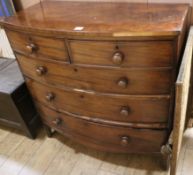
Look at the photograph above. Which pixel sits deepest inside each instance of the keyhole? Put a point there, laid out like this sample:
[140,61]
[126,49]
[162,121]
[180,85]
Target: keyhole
[82,96]
[116,47]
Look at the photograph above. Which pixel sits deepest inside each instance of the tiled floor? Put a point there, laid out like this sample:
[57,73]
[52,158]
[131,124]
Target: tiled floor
[60,156]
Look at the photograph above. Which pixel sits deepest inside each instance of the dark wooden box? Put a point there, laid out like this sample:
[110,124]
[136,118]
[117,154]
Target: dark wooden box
[16,107]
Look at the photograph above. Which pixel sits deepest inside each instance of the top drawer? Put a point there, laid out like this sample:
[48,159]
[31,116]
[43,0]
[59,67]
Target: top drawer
[38,46]
[124,54]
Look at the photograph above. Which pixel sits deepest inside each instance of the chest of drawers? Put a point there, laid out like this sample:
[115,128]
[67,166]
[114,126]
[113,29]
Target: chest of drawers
[102,78]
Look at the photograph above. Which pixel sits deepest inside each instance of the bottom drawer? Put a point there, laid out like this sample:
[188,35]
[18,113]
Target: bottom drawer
[104,137]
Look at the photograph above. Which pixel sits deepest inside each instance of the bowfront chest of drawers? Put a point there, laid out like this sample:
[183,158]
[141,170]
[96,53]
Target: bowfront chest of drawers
[102,74]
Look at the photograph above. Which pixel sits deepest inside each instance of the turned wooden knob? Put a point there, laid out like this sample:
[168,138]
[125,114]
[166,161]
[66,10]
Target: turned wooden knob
[50,96]
[41,70]
[31,47]
[57,121]
[118,58]
[123,82]
[124,141]
[125,111]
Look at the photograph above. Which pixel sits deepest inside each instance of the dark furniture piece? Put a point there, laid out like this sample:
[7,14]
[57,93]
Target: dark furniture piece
[104,74]
[16,107]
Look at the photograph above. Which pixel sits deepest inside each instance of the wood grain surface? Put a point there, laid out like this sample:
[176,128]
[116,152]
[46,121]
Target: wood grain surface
[97,19]
[111,139]
[182,97]
[138,109]
[134,53]
[101,79]
[38,46]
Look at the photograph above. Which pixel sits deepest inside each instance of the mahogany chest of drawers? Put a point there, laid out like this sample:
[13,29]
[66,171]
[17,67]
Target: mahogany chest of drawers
[102,74]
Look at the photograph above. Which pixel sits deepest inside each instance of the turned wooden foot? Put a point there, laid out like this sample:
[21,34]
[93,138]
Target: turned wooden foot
[165,162]
[48,131]
[166,152]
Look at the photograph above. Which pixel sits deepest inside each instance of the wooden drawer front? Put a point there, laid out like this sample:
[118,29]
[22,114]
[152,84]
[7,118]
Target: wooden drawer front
[36,46]
[125,54]
[109,138]
[115,108]
[125,81]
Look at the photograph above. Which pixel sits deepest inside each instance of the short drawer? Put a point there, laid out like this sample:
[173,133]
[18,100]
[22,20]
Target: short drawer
[104,137]
[36,46]
[124,54]
[118,80]
[120,108]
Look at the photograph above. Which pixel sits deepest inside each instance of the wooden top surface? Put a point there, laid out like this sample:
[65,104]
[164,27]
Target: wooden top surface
[101,18]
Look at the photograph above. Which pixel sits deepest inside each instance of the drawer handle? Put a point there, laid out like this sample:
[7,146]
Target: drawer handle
[50,96]
[118,58]
[57,121]
[125,111]
[41,70]
[123,82]
[125,141]
[32,47]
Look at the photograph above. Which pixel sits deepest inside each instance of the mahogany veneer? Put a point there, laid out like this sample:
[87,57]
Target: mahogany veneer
[106,80]
[100,73]
[117,139]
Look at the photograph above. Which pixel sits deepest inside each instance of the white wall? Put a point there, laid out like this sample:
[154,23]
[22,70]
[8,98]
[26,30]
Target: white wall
[5,48]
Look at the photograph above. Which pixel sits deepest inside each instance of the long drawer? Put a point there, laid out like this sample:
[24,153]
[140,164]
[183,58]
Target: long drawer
[121,108]
[36,46]
[117,80]
[104,137]
[124,54]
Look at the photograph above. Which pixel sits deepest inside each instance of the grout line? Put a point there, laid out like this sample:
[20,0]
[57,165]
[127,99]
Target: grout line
[31,157]
[46,169]
[14,148]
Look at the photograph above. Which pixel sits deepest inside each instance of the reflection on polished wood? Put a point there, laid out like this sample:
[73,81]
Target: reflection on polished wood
[100,18]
